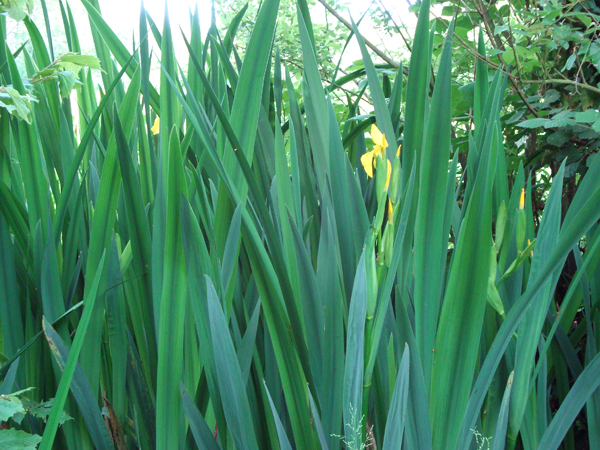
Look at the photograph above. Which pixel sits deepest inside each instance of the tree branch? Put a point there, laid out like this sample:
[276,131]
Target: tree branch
[369,44]
[589,87]
[496,66]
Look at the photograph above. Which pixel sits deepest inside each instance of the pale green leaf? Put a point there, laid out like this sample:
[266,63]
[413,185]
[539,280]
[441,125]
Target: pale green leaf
[16,104]
[18,440]
[16,9]
[9,406]
[42,411]
[74,63]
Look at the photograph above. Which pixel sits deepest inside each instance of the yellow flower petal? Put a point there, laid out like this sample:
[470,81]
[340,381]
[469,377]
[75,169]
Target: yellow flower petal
[378,137]
[399,149]
[389,173]
[522,199]
[367,161]
[156,127]
[390,211]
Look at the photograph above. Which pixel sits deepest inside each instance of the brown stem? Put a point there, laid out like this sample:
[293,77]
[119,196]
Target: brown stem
[572,83]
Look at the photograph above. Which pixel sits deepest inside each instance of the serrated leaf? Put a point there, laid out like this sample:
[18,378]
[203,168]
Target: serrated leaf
[558,122]
[75,63]
[16,104]
[534,123]
[18,440]
[448,11]
[66,82]
[551,96]
[559,138]
[9,406]
[42,411]
[591,115]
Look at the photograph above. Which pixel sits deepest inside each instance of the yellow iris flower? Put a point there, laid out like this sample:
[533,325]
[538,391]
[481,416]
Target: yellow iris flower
[522,199]
[389,173]
[156,127]
[369,159]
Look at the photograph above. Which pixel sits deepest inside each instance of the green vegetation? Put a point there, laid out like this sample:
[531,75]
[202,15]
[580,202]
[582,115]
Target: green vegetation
[218,261]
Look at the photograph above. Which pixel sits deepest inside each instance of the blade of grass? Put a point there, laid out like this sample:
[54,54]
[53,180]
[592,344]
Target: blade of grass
[284,442]
[69,370]
[354,364]
[535,318]
[430,241]
[119,50]
[67,190]
[583,216]
[169,417]
[246,103]
[416,93]
[394,428]
[10,308]
[232,388]
[382,112]
[80,388]
[583,388]
[202,434]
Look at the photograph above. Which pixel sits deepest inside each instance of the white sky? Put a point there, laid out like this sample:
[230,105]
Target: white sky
[123,18]
[179,11]
[126,22]
[127,19]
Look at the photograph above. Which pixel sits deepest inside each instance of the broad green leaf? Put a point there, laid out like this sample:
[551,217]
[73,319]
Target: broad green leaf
[42,411]
[9,407]
[534,123]
[18,440]
[16,104]
[74,63]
